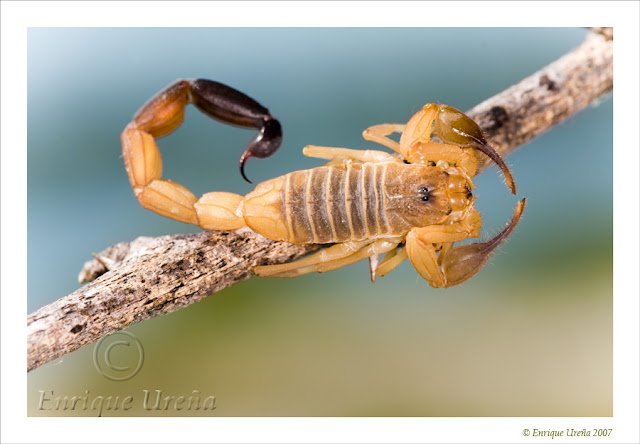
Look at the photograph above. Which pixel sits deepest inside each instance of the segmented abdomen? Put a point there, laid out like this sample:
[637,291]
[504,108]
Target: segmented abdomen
[336,203]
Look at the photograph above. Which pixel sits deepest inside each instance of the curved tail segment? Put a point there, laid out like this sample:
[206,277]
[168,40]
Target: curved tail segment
[162,115]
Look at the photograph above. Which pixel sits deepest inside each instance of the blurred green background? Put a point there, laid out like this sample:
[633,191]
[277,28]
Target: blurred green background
[530,335]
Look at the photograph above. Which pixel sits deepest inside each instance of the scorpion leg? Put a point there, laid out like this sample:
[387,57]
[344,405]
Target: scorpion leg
[455,265]
[391,260]
[325,152]
[163,114]
[375,248]
[379,133]
[332,253]
[374,261]
[340,257]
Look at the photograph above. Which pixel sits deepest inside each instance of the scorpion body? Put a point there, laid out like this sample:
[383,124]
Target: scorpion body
[414,204]
[355,201]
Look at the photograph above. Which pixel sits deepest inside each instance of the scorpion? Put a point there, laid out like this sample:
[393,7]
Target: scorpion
[415,203]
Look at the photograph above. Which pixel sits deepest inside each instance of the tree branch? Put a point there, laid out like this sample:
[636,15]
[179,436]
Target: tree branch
[518,114]
[152,276]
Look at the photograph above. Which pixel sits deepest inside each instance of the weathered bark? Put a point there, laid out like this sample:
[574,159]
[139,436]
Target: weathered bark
[518,114]
[149,277]
[152,276]
[606,32]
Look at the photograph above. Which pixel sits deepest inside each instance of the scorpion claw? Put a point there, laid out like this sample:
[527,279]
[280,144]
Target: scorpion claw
[453,126]
[484,147]
[463,262]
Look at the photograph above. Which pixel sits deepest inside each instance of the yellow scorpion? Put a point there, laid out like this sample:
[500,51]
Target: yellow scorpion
[413,204]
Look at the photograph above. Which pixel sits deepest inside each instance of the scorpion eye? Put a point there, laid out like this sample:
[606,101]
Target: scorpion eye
[424,193]
[469,193]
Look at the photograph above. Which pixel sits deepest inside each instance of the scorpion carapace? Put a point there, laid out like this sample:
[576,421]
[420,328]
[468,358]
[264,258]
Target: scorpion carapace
[413,204]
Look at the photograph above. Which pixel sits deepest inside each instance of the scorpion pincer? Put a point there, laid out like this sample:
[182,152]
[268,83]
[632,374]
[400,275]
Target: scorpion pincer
[413,204]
